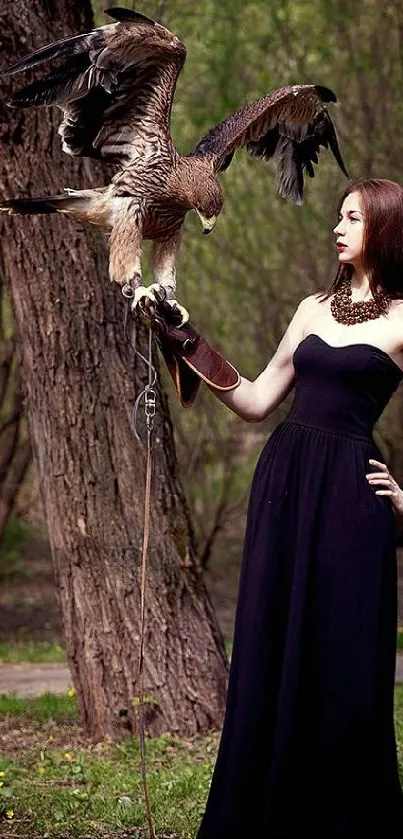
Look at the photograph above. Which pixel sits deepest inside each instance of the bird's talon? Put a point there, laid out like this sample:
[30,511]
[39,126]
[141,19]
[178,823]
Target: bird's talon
[180,310]
[160,293]
[146,299]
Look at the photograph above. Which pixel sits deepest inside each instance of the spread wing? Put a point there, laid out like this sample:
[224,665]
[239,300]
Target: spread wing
[289,124]
[115,86]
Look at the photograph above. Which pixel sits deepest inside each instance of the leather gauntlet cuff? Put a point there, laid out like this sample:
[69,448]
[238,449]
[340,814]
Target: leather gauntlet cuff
[190,359]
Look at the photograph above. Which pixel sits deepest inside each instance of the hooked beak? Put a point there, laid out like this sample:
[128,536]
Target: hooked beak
[208,223]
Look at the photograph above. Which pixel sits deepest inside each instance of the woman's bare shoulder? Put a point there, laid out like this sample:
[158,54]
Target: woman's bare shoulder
[312,302]
[396,318]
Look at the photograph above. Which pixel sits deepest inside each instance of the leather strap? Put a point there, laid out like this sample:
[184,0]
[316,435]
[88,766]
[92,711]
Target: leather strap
[146,533]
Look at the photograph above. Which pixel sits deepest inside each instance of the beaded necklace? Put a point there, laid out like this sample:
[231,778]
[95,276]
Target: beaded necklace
[345,311]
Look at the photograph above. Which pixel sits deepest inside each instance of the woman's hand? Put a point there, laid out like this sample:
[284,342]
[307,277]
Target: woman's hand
[391,488]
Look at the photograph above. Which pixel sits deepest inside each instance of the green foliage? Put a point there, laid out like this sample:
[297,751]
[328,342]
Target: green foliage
[6,315]
[17,652]
[15,537]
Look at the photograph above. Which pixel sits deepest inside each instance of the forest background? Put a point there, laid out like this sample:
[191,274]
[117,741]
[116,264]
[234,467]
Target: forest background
[241,285]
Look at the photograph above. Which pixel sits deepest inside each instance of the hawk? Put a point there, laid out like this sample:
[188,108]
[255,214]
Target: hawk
[115,86]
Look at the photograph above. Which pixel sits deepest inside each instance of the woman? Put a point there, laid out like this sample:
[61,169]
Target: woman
[308,743]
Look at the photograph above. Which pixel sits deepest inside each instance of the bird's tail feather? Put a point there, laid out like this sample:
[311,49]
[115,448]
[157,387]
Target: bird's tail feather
[68,202]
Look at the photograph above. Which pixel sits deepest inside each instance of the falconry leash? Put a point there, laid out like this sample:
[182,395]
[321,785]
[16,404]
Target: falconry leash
[149,395]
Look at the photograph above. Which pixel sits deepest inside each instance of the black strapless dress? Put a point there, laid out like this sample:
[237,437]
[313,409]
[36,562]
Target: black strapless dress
[308,747]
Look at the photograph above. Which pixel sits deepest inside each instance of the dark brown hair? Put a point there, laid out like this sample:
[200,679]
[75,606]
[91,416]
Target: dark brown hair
[382,256]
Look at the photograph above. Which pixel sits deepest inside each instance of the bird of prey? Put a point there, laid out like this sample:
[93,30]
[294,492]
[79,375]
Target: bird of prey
[115,86]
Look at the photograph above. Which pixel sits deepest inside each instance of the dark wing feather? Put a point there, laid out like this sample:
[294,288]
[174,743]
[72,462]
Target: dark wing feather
[296,148]
[59,49]
[115,86]
[128,15]
[289,125]
[57,86]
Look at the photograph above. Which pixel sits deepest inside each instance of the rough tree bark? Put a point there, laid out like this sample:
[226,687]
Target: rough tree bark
[80,383]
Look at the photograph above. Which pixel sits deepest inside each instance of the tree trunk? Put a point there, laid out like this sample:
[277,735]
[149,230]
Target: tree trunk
[80,383]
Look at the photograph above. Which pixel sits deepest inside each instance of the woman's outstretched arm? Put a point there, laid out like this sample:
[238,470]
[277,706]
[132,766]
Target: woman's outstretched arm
[255,400]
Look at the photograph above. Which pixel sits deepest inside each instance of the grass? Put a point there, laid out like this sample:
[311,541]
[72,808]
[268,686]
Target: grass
[18,652]
[25,652]
[228,646]
[48,706]
[54,783]
[399,722]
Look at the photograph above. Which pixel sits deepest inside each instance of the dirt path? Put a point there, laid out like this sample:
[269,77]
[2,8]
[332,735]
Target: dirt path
[32,679]
[28,680]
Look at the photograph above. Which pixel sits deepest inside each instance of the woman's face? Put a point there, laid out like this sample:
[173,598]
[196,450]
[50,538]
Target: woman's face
[350,230]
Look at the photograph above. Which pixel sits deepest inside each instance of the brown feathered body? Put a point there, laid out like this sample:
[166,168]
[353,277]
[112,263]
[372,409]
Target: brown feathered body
[115,86]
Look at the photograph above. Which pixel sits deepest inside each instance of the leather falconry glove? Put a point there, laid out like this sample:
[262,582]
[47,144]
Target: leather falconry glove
[189,357]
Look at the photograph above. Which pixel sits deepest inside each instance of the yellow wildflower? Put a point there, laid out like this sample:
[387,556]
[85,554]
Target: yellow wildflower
[10,814]
[1,783]
[2,774]
[67,756]
[71,692]
[41,769]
